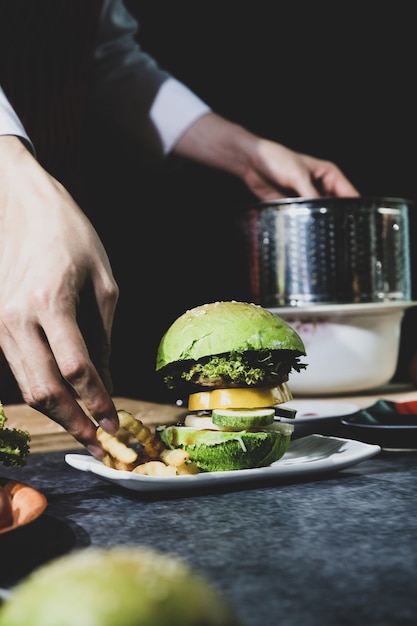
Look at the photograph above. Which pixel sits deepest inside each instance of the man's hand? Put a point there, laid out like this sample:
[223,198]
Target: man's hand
[269,169]
[54,274]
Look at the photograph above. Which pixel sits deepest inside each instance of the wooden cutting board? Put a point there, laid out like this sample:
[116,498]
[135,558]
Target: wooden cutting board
[46,435]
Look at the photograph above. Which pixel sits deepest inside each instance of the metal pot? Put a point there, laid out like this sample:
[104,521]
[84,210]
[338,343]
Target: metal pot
[328,251]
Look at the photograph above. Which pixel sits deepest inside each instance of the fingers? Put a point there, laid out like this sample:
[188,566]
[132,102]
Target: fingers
[95,327]
[73,362]
[276,172]
[327,178]
[51,382]
[336,184]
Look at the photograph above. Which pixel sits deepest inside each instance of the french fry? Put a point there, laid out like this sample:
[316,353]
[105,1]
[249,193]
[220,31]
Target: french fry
[119,455]
[155,468]
[180,460]
[174,457]
[187,468]
[152,459]
[152,445]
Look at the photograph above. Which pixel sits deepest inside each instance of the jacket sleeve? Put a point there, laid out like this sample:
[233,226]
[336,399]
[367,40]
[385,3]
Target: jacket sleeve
[132,93]
[10,124]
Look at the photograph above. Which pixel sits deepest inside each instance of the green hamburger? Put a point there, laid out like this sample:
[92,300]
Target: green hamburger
[232,360]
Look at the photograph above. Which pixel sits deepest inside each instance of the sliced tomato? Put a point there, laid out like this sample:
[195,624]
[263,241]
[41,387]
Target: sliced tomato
[239,398]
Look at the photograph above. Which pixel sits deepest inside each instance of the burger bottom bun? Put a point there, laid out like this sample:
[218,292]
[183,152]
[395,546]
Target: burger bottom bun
[217,450]
[124,585]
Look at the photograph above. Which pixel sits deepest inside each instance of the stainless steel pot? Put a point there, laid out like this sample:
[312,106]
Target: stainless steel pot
[328,250]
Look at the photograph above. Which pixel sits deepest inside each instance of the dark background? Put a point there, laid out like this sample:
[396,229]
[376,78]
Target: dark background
[335,85]
[339,86]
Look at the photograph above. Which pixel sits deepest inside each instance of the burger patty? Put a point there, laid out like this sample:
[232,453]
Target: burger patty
[252,368]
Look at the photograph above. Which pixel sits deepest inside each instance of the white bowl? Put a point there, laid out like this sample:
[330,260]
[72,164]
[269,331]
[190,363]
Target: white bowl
[350,347]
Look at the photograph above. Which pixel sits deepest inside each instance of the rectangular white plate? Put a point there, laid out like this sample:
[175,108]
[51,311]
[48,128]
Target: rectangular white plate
[314,454]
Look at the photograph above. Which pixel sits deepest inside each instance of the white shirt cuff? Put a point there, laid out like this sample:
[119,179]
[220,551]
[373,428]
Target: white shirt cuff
[10,124]
[174,110]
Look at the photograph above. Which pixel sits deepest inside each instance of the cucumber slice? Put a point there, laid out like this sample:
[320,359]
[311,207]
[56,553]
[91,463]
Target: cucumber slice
[200,421]
[235,419]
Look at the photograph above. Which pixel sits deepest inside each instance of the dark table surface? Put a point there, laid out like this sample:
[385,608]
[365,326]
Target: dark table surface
[339,548]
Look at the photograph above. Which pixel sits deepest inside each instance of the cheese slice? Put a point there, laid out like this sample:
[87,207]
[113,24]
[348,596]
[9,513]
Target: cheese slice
[239,398]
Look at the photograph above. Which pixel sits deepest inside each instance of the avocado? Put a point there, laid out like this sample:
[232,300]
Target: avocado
[123,585]
[218,450]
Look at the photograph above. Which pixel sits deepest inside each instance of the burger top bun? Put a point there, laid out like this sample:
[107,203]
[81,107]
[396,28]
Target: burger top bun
[123,585]
[226,326]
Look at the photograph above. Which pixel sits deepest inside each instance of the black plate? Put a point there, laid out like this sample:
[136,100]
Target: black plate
[30,546]
[382,425]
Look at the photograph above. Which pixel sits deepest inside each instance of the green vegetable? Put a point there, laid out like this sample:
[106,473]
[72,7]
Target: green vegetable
[14,443]
[219,450]
[235,419]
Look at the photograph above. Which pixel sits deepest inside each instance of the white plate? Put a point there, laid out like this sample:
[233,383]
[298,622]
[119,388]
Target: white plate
[370,308]
[314,454]
[308,410]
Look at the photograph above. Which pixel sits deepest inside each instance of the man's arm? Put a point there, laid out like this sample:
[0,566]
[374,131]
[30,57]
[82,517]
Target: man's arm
[130,91]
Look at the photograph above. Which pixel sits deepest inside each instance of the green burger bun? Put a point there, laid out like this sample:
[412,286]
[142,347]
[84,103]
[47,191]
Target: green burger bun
[123,586]
[227,343]
[225,326]
[220,450]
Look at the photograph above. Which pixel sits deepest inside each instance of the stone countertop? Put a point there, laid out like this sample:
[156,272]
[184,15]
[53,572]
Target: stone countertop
[334,549]
[338,548]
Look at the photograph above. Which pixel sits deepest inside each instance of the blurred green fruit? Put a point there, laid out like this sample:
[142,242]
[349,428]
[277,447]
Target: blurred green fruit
[123,585]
